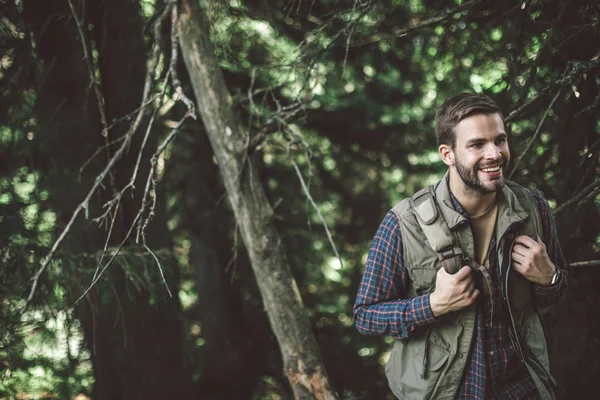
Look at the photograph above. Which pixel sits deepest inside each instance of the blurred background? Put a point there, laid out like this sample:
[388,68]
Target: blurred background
[339,97]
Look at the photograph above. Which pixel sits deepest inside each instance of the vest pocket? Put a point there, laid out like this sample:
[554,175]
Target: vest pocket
[532,335]
[417,364]
[436,357]
[520,291]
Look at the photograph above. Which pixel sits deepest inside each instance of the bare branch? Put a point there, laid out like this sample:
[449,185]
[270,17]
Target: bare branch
[94,84]
[83,205]
[315,206]
[173,66]
[417,23]
[151,182]
[541,53]
[129,251]
[574,71]
[590,263]
[88,63]
[112,258]
[589,192]
[352,28]
[589,108]
[515,113]
[98,151]
[131,114]
[162,275]
[534,137]
[110,164]
[110,230]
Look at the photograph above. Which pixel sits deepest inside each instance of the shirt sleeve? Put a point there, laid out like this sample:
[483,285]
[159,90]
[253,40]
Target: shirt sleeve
[548,295]
[381,306]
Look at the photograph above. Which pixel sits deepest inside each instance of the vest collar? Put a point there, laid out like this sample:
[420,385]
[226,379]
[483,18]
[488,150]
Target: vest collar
[442,194]
[510,210]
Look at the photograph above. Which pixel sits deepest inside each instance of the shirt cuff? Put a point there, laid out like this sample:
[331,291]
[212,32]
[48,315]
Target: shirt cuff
[422,314]
[545,295]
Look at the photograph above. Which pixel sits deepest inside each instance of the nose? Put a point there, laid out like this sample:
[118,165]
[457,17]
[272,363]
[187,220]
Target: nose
[492,152]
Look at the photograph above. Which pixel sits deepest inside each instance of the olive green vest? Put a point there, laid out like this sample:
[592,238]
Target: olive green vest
[431,363]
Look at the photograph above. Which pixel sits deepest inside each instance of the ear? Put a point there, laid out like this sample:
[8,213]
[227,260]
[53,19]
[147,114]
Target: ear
[447,154]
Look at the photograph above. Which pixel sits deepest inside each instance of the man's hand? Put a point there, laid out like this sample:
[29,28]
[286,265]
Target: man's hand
[531,260]
[452,292]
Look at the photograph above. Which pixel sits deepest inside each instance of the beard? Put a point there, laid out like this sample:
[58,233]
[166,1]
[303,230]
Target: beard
[476,186]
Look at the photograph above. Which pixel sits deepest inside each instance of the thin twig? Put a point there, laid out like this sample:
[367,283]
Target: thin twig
[162,275]
[128,116]
[589,108]
[98,151]
[415,24]
[88,63]
[309,197]
[541,53]
[590,191]
[352,28]
[108,236]
[83,205]
[112,258]
[590,263]
[95,85]
[535,135]
[131,184]
[100,178]
[150,181]
[574,71]
[515,113]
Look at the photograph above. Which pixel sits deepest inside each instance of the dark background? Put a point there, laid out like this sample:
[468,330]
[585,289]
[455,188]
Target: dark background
[356,86]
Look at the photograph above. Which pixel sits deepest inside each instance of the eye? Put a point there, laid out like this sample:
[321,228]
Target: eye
[477,145]
[501,140]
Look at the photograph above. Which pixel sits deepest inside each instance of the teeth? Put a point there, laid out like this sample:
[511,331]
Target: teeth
[493,169]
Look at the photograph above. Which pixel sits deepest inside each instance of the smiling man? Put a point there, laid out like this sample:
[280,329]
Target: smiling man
[458,273]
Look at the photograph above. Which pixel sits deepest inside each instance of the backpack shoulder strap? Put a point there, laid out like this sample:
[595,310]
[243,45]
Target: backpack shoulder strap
[526,199]
[436,229]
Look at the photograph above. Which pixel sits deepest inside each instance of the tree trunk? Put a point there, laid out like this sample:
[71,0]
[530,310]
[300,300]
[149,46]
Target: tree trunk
[233,326]
[302,361]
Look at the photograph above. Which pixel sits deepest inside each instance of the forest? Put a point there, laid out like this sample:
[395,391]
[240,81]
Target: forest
[189,188]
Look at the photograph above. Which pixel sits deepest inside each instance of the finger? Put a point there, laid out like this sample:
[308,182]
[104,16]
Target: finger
[521,268]
[442,272]
[463,273]
[539,240]
[519,258]
[525,241]
[474,296]
[470,287]
[520,249]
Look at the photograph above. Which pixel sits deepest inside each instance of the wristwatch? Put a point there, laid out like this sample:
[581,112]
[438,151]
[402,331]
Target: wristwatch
[555,277]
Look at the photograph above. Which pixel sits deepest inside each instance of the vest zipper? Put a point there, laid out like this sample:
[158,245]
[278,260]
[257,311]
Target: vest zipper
[515,335]
[424,369]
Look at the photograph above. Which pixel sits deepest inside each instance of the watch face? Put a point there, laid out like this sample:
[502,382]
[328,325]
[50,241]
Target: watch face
[555,277]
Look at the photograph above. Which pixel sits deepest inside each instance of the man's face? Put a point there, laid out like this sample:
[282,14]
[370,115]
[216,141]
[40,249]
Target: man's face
[481,153]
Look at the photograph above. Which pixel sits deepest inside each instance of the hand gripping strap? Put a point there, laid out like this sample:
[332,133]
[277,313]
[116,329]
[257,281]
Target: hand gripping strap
[436,230]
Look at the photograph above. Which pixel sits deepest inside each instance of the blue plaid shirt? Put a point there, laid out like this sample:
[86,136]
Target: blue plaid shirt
[382,308]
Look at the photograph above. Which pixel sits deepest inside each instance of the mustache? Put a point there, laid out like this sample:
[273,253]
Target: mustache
[490,165]
[500,163]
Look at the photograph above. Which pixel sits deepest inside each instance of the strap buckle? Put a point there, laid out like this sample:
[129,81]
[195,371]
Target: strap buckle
[450,252]
[451,259]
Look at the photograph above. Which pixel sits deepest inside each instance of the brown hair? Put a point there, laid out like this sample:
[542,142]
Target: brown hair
[458,108]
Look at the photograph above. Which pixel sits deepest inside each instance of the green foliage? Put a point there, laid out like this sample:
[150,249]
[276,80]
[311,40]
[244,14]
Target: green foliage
[339,93]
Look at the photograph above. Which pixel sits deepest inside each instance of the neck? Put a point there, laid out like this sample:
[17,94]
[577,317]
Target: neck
[473,203]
